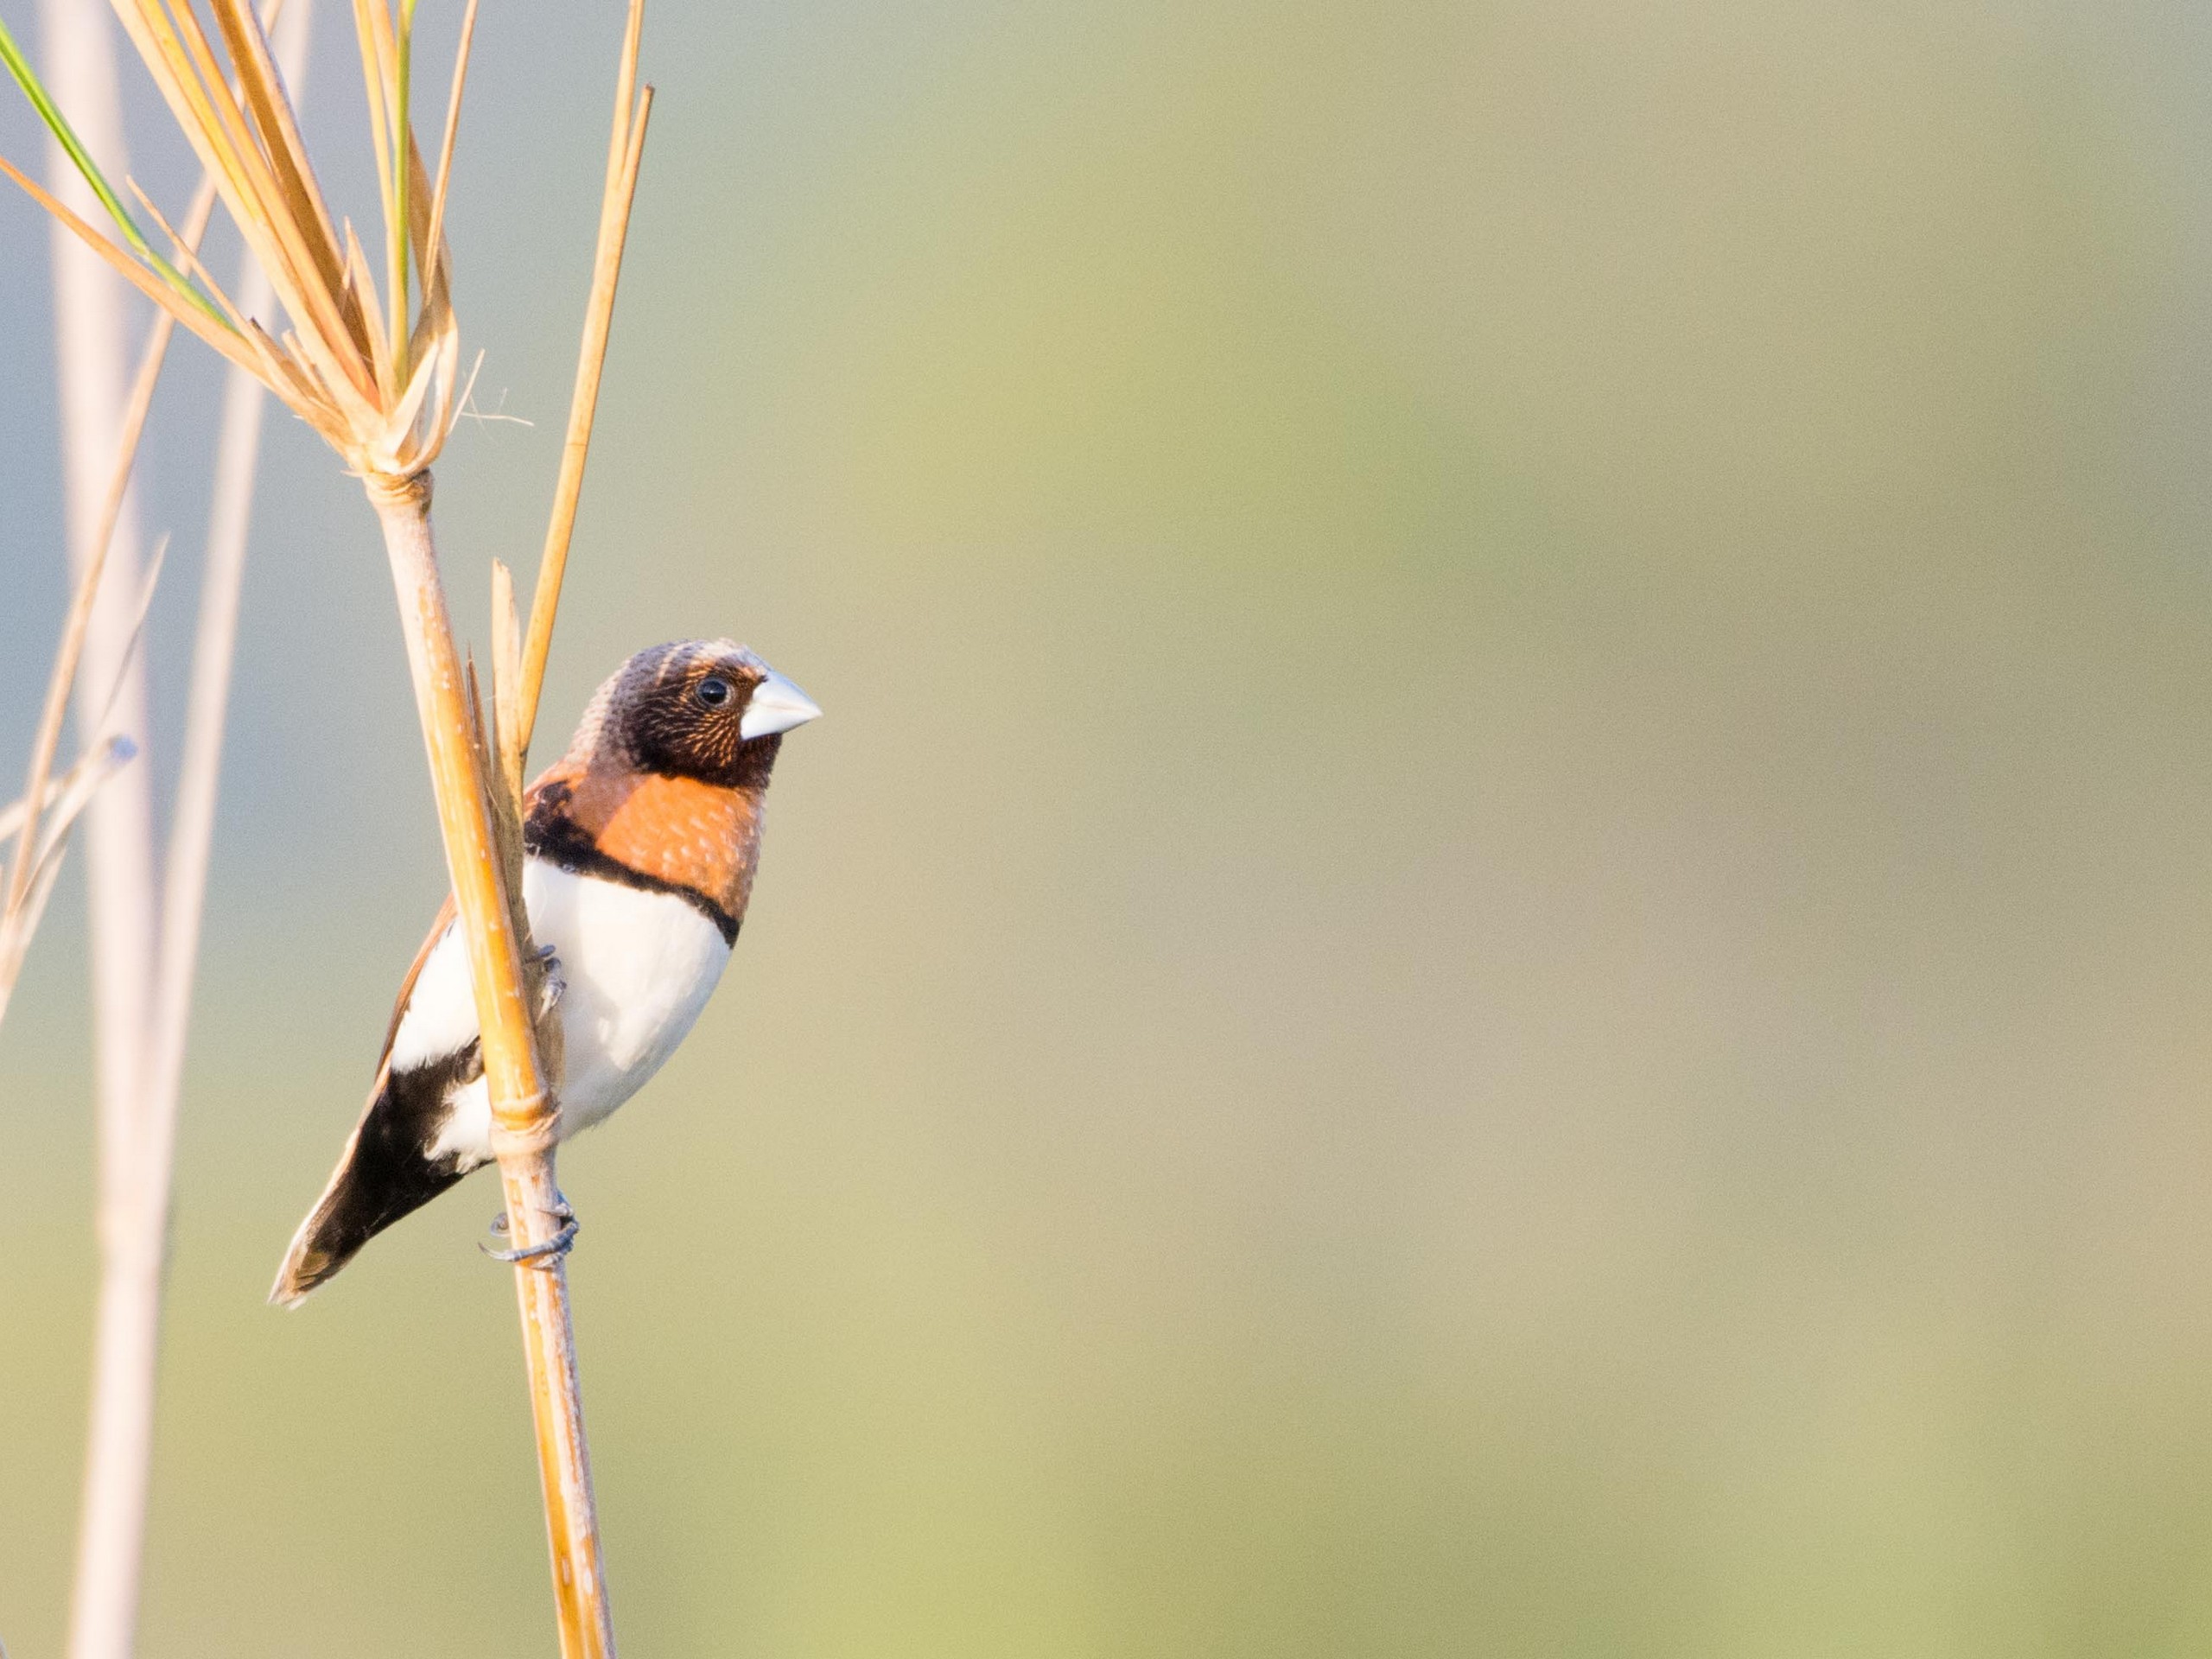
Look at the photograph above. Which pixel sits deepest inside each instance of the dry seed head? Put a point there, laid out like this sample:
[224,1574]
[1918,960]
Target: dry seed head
[376,375]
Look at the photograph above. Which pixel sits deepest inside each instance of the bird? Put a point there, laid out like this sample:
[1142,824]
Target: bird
[640,849]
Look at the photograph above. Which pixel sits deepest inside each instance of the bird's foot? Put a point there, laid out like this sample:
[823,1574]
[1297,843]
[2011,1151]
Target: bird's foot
[554,984]
[552,1249]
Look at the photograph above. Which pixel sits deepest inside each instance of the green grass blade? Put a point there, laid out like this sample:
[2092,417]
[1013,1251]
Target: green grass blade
[66,136]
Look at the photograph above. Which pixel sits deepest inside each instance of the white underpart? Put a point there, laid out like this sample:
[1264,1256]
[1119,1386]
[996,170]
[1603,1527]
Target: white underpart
[639,967]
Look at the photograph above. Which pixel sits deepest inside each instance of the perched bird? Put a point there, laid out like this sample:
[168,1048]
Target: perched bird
[640,845]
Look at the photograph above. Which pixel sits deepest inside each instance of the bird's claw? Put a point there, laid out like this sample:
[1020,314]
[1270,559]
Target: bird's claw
[551,1251]
[554,985]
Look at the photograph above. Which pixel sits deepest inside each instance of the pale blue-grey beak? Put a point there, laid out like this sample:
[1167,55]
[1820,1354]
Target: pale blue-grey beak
[777,706]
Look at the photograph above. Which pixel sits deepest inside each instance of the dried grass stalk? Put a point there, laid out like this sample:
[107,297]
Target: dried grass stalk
[66,798]
[142,961]
[238,450]
[625,150]
[375,375]
[102,425]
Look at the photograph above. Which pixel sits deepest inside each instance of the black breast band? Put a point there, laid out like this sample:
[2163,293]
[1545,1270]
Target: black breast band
[562,842]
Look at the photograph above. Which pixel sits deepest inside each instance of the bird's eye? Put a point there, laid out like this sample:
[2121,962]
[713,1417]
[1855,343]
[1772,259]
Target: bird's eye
[713,691]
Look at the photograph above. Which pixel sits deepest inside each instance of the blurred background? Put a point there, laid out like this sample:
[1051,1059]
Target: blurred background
[1499,942]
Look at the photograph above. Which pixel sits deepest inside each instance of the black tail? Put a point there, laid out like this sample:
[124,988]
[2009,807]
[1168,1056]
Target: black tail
[385,1174]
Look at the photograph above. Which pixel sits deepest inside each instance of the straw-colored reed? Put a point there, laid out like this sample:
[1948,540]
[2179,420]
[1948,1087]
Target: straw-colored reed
[374,369]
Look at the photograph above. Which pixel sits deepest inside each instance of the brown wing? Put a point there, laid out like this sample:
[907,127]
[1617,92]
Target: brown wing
[446,913]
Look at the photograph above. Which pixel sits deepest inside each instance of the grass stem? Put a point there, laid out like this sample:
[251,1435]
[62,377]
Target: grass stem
[626,151]
[524,1112]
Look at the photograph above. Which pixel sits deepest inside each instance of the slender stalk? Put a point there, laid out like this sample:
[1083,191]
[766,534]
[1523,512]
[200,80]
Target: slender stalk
[14,936]
[436,236]
[382,399]
[137,1119]
[518,668]
[77,628]
[66,796]
[524,1116]
[71,146]
[238,450]
[397,238]
[56,811]
[90,329]
[625,150]
[184,882]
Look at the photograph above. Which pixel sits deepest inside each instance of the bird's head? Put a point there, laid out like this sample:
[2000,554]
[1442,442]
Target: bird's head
[703,709]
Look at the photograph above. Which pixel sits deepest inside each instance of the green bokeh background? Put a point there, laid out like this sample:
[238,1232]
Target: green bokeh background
[1499,943]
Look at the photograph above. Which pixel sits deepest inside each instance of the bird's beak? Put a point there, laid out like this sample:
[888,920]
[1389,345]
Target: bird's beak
[777,706]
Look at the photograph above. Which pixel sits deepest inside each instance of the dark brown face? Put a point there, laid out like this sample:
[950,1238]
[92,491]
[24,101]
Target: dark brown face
[709,710]
[688,718]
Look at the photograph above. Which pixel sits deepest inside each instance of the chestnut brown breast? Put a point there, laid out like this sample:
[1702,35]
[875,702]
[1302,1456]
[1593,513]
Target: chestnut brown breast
[676,832]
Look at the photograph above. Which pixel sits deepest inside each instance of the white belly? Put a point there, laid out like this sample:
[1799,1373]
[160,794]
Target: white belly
[639,967]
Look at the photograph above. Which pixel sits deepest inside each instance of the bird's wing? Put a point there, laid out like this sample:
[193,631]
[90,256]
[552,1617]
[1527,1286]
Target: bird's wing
[556,773]
[446,913]
[392,1165]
